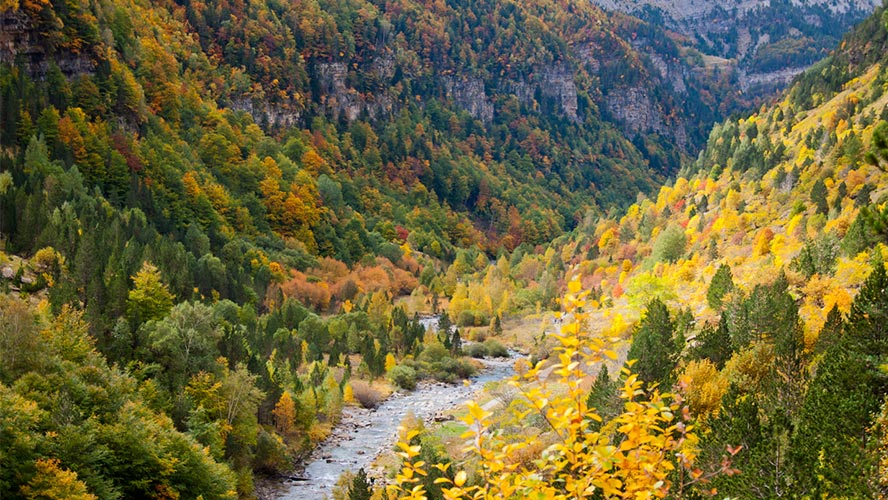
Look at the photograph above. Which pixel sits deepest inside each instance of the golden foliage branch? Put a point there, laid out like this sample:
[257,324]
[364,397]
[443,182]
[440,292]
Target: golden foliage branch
[636,455]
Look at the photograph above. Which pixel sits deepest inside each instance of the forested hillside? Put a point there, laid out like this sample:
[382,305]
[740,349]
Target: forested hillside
[496,110]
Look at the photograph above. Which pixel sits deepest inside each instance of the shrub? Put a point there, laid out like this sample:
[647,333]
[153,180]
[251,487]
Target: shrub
[495,349]
[471,317]
[403,377]
[434,352]
[476,350]
[465,318]
[271,453]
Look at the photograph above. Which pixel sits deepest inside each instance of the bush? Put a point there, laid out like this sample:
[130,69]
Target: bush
[271,453]
[476,350]
[365,395]
[458,368]
[465,318]
[434,352]
[403,377]
[471,318]
[495,349]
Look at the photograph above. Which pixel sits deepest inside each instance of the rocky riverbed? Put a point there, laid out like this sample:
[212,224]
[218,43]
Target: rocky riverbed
[363,434]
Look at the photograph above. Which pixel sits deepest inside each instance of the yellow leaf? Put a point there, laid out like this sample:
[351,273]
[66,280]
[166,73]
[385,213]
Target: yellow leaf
[460,478]
[574,286]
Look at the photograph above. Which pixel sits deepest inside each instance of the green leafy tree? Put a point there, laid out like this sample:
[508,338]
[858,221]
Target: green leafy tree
[670,244]
[19,338]
[185,342]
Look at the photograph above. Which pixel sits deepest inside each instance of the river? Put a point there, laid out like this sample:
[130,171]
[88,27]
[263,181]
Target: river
[363,434]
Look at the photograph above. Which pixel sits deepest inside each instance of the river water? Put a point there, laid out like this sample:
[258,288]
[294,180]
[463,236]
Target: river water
[363,434]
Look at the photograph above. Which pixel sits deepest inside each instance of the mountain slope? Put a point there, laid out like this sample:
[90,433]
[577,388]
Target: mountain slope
[769,251]
[765,43]
[494,96]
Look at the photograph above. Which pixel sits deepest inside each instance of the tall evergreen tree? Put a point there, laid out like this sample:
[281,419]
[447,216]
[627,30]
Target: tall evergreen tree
[604,398]
[653,346]
[831,451]
[714,343]
[361,487]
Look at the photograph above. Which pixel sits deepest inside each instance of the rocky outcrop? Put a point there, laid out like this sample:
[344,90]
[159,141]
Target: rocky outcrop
[557,82]
[635,109]
[766,43]
[688,11]
[340,99]
[469,94]
[267,114]
[20,44]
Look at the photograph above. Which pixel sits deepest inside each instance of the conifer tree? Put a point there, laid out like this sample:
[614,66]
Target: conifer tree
[653,345]
[604,397]
[361,487]
[714,343]
[722,283]
[456,342]
[878,154]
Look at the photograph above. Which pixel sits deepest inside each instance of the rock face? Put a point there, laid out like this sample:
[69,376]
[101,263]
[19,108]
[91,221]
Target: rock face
[469,94]
[693,11]
[634,108]
[340,99]
[557,82]
[20,45]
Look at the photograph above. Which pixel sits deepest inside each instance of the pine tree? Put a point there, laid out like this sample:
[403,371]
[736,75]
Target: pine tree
[818,197]
[714,344]
[830,447]
[653,346]
[878,154]
[604,397]
[444,324]
[361,487]
[722,283]
[868,320]
[456,342]
[831,332]
[497,326]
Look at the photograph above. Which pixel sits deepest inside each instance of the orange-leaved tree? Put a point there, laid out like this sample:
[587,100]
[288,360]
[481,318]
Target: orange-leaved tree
[646,451]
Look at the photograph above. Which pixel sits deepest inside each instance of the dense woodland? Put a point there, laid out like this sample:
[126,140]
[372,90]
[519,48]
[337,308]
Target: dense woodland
[191,295]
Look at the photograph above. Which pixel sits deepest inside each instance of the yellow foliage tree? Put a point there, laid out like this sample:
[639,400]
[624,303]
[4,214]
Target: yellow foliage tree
[285,415]
[762,245]
[703,386]
[635,455]
[390,362]
[51,482]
